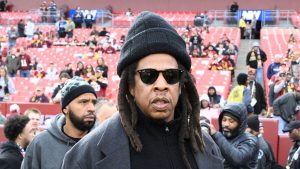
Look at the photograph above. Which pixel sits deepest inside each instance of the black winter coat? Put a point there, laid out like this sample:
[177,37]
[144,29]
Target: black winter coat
[10,156]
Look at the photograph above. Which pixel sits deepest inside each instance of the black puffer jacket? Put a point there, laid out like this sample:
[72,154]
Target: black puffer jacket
[241,151]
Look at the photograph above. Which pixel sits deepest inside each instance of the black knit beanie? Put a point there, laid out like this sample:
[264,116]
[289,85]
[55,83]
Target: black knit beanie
[74,88]
[151,34]
[253,123]
[242,78]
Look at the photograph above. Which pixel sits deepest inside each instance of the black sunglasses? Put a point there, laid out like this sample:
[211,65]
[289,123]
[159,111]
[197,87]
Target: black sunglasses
[149,76]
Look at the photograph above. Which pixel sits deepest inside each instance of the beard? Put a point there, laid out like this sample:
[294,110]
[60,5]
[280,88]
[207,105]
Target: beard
[79,122]
[230,133]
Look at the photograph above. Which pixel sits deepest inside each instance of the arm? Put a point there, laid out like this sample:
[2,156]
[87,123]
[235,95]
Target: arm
[269,73]
[247,101]
[278,102]
[236,155]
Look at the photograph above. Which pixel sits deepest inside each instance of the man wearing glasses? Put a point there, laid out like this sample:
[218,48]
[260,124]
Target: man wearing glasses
[158,121]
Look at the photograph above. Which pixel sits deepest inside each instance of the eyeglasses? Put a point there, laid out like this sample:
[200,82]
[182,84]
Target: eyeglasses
[149,76]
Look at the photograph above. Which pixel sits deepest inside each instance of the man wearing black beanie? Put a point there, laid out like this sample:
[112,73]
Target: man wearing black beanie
[47,150]
[158,121]
[266,159]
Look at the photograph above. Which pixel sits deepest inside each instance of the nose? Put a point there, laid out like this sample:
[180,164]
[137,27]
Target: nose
[160,83]
[91,107]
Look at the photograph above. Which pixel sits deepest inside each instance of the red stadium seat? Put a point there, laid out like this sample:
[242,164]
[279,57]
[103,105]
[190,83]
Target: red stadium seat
[284,145]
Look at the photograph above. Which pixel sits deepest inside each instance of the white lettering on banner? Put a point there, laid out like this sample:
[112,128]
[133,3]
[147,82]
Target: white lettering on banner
[93,12]
[248,15]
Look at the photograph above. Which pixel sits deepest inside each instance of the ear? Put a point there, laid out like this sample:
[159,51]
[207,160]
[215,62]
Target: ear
[65,110]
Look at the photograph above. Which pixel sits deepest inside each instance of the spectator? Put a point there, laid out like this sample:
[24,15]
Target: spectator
[242,26]
[195,43]
[94,31]
[284,84]
[21,28]
[110,49]
[204,102]
[29,29]
[44,11]
[35,116]
[61,26]
[36,42]
[39,96]
[79,69]
[14,109]
[52,8]
[39,73]
[239,148]
[12,34]
[70,28]
[56,96]
[240,93]
[266,159]
[104,32]
[7,86]
[12,62]
[255,59]
[234,7]
[25,62]
[215,100]
[78,18]
[253,26]
[258,101]
[89,20]
[286,107]
[19,134]
[68,69]
[101,65]
[78,106]
[129,12]
[293,160]
[88,72]
[273,68]
[104,109]
[99,83]
[51,72]
[147,108]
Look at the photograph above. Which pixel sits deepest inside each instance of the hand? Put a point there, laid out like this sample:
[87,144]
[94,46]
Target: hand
[212,129]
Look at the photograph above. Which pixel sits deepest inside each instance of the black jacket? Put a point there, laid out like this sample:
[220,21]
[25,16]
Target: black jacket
[253,63]
[260,97]
[241,151]
[266,159]
[10,156]
[294,159]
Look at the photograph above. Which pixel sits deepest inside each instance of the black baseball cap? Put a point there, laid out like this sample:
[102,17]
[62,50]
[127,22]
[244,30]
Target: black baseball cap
[291,126]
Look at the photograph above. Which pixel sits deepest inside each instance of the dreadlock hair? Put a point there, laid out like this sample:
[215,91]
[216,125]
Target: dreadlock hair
[188,105]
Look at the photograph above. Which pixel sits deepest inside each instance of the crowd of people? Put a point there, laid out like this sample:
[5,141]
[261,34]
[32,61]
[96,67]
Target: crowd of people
[157,117]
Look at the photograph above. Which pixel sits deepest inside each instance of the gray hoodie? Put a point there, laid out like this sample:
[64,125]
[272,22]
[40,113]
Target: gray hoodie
[48,148]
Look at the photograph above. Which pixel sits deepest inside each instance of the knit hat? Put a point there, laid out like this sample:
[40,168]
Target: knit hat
[74,88]
[151,34]
[242,78]
[253,123]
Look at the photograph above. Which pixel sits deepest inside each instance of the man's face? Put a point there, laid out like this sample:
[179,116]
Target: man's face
[34,119]
[28,134]
[81,111]
[156,100]
[229,126]
[294,135]
[105,112]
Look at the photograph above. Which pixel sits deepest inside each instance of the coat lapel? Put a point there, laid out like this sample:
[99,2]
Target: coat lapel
[114,147]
